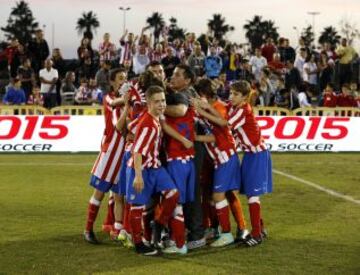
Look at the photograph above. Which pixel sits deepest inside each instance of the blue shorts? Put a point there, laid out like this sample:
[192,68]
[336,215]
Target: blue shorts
[101,185]
[183,174]
[227,176]
[256,173]
[155,180]
[121,184]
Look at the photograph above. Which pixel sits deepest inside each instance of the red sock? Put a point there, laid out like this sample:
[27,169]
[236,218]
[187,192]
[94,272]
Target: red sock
[214,222]
[126,217]
[135,222]
[110,219]
[177,227]
[148,216]
[168,205]
[236,209]
[222,211]
[93,209]
[254,209]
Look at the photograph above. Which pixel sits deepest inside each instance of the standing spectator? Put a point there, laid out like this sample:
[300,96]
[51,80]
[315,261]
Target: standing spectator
[85,50]
[213,64]
[127,47]
[292,76]
[268,50]
[14,94]
[258,63]
[39,51]
[87,69]
[310,72]
[302,46]
[48,78]
[27,77]
[346,55]
[276,65]
[36,98]
[140,60]
[107,49]
[102,77]
[329,51]
[19,56]
[59,65]
[158,53]
[326,70]
[197,60]
[289,52]
[9,53]
[170,61]
[244,71]
[300,61]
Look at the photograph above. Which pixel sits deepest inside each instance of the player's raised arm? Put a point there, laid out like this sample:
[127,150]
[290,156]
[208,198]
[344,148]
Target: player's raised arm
[176,135]
[209,112]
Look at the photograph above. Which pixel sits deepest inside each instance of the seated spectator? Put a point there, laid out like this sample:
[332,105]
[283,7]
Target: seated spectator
[329,96]
[304,96]
[83,95]
[222,86]
[36,98]
[266,89]
[102,77]
[96,94]
[243,71]
[15,95]
[27,77]
[292,76]
[276,65]
[345,98]
[282,98]
[68,89]
[213,64]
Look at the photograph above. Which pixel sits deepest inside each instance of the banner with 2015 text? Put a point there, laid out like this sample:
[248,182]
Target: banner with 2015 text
[84,133]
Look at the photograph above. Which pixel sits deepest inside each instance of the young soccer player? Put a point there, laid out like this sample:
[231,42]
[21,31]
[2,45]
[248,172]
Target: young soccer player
[256,173]
[145,174]
[106,168]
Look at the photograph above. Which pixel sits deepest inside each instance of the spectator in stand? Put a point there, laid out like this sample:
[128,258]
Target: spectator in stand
[222,86]
[140,60]
[170,61]
[39,51]
[281,95]
[266,89]
[244,71]
[158,53]
[300,61]
[127,47]
[276,66]
[68,89]
[36,98]
[329,96]
[304,96]
[9,53]
[213,64]
[268,50]
[59,65]
[346,55]
[326,70]
[289,52]
[48,78]
[345,98]
[196,60]
[354,89]
[292,76]
[102,77]
[258,63]
[83,96]
[85,50]
[310,72]
[302,46]
[27,77]
[19,56]
[107,49]
[96,94]
[15,94]
[329,51]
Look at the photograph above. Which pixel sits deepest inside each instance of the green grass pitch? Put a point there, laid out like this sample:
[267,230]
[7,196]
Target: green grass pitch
[43,201]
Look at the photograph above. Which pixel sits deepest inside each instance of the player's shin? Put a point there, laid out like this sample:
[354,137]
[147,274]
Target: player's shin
[255,216]
[177,226]
[222,211]
[136,212]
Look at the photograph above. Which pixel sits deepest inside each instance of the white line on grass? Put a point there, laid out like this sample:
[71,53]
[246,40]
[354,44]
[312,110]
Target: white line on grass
[318,187]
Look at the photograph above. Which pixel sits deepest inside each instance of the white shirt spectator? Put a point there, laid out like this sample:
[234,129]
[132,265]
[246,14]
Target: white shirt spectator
[299,64]
[303,101]
[257,64]
[140,61]
[49,76]
[312,77]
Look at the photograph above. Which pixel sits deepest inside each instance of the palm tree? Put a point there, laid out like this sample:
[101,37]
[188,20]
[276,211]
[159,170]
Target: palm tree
[87,23]
[156,22]
[308,35]
[175,31]
[218,27]
[257,30]
[329,35]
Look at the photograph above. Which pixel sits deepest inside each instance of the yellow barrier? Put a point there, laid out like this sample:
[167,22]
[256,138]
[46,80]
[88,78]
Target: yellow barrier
[23,110]
[323,111]
[271,111]
[78,110]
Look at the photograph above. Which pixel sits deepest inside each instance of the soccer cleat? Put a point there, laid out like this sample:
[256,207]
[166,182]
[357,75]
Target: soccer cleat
[210,233]
[90,237]
[251,241]
[223,240]
[175,250]
[156,234]
[122,236]
[264,233]
[196,244]
[241,235]
[142,249]
[107,228]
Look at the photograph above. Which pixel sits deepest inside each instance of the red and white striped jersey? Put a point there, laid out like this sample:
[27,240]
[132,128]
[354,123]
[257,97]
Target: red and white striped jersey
[126,52]
[108,162]
[147,141]
[107,51]
[245,128]
[224,146]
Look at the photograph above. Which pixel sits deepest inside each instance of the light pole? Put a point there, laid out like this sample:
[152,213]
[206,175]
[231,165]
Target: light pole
[297,32]
[313,14]
[124,10]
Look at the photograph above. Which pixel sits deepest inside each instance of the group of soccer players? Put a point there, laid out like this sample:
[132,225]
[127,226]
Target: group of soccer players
[154,131]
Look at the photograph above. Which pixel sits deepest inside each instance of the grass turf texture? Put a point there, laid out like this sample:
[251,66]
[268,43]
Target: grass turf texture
[43,201]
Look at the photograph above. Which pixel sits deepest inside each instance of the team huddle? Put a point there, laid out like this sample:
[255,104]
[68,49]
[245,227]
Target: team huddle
[169,156]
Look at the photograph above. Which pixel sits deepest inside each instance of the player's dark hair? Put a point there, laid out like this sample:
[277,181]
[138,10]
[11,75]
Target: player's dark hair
[242,87]
[188,73]
[116,71]
[148,79]
[152,90]
[205,88]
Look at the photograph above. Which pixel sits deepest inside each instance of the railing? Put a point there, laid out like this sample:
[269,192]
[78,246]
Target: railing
[98,110]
